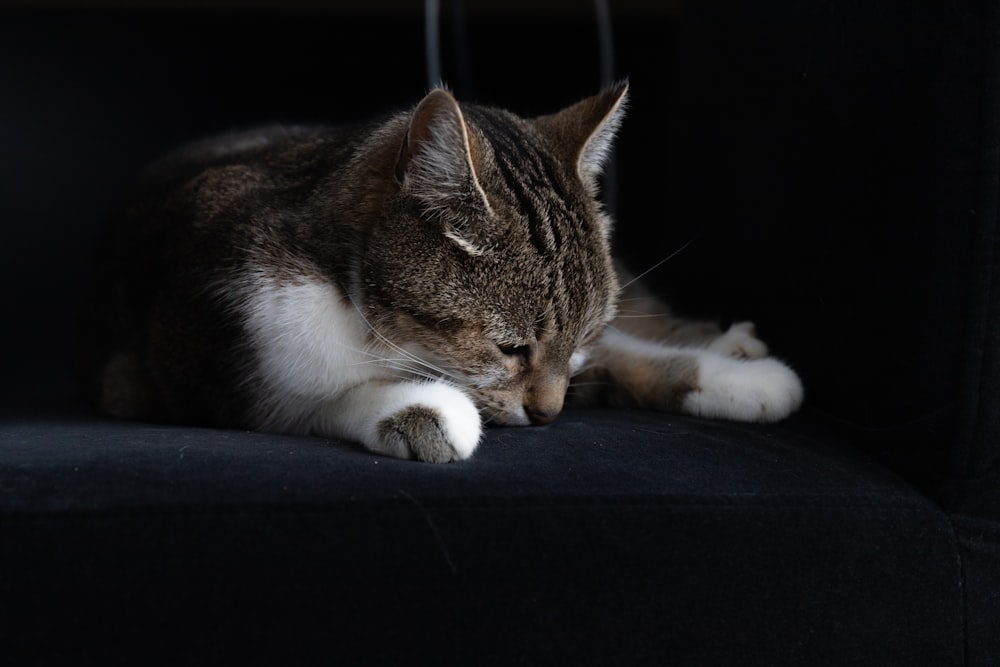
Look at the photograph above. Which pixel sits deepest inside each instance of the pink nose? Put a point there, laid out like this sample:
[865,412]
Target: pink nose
[539,418]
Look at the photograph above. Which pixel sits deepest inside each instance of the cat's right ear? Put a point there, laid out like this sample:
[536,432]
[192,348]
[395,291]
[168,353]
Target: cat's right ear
[435,161]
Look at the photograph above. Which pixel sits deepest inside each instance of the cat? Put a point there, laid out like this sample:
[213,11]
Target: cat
[398,284]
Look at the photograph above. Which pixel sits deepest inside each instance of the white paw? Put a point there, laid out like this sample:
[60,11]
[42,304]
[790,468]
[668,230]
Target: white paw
[740,341]
[755,390]
[431,422]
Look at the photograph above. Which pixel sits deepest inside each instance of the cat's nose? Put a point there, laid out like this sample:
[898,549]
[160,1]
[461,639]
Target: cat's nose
[539,418]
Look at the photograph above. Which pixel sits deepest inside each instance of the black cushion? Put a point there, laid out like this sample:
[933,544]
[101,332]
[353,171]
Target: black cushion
[605,538]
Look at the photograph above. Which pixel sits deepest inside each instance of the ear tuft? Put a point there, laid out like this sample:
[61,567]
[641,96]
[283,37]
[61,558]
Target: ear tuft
[609,109]
[586,130]
[436,125]
[435,160]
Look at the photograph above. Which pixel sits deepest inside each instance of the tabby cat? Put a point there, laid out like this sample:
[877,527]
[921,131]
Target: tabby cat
[397,284]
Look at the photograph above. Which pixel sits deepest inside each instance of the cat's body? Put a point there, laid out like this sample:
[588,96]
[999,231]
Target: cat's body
[396,284]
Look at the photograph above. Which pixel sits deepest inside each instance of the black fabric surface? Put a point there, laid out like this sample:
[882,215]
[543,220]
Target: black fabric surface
[605,538]
[93,465]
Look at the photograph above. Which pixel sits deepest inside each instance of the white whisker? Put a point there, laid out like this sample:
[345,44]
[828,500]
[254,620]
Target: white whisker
[574,385]
[628,316]
[658,264]
[410,363]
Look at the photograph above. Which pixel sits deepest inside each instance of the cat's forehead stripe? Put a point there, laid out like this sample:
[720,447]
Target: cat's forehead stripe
[554,218]
[529,174]
[532,164]
[538,239]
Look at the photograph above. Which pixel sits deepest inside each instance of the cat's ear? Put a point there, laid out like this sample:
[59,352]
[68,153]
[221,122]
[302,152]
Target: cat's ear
[435,161]
[586,130]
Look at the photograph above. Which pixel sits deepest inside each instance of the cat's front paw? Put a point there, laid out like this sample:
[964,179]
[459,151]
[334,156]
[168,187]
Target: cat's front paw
[758,390]
[424,433]
[740,341]
[432,422]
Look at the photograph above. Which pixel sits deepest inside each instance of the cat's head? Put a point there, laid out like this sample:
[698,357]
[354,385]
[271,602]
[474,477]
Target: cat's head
[491,262]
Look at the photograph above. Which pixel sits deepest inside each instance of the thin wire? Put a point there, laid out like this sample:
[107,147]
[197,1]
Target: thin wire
[606,45]
[605,37]
[432,42]
[460,43]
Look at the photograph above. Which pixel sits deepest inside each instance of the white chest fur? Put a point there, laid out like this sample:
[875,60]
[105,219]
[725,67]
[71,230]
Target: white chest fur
[310,343]
[317,371]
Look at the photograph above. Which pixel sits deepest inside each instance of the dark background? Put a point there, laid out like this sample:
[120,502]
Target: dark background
[831,166]
[821,178]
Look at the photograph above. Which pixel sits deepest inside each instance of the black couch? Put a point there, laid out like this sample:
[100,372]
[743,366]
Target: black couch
[835,167]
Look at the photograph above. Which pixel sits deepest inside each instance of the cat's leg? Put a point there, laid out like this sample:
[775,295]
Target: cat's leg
[429,421]
[627,370]
[756,390]
[644,315]
[740,341]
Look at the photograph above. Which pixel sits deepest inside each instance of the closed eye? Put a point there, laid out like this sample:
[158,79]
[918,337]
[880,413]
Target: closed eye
[519,351]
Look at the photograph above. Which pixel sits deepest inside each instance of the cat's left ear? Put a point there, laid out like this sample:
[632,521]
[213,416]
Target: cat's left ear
[586,130]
